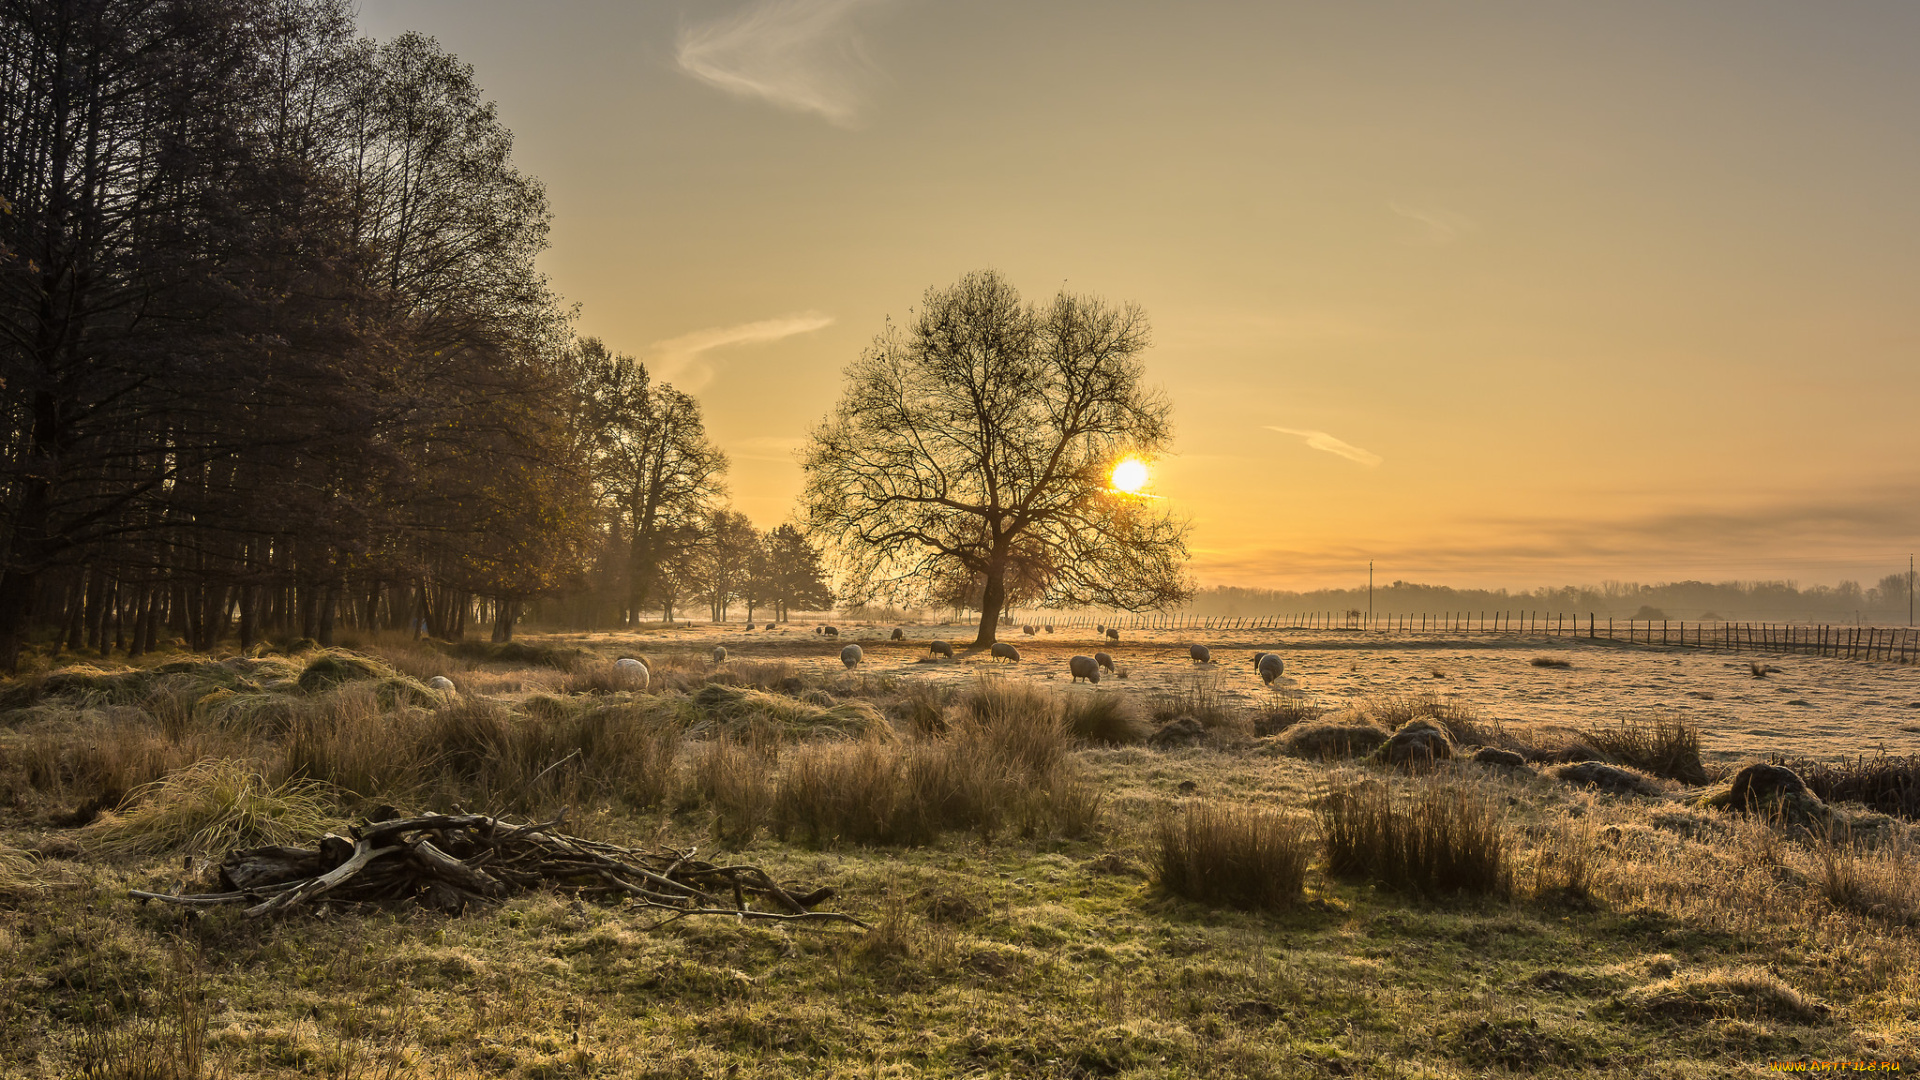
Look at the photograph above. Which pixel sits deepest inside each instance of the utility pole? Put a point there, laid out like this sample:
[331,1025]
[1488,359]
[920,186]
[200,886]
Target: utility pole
[1909,590]
[1369,594]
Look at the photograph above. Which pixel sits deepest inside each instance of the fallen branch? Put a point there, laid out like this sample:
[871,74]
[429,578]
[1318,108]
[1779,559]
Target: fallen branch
[448,862]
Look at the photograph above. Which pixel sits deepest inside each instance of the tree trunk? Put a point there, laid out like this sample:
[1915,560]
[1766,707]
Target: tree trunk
[505,612]
[995,599]
[329,598]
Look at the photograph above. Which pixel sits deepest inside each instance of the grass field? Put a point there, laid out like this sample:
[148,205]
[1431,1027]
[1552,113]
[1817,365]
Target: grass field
[1050,892]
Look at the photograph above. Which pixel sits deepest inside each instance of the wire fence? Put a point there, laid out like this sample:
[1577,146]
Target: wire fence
[1894,644]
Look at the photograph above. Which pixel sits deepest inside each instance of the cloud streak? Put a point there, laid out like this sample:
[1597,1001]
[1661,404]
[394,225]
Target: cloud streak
[800,55]
[1442,226]
[679,360]
[1320,440]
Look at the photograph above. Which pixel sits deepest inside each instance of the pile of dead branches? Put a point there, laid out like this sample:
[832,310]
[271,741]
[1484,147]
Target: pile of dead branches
[450,862]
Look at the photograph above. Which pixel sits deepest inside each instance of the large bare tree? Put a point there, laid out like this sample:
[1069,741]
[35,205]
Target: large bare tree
[978,441]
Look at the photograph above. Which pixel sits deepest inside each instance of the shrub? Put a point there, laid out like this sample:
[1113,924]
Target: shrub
[1443,838]
[1668,747]
[1232,855]
[212,807]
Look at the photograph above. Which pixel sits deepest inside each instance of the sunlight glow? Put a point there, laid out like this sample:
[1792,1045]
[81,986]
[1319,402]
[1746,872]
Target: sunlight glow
[1130,476]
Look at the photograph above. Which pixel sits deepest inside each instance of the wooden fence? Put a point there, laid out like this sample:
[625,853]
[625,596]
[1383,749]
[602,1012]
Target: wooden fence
[1897,644]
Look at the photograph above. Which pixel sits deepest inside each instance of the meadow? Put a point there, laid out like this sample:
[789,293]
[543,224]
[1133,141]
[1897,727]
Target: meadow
[1178,872]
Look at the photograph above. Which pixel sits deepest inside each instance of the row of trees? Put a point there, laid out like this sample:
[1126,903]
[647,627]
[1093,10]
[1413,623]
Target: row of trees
[275,355]
[1885,601]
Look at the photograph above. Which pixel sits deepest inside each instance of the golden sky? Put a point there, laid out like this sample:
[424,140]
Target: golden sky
[1497,294]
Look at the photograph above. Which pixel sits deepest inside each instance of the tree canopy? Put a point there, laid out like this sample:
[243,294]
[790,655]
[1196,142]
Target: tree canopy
[976,445]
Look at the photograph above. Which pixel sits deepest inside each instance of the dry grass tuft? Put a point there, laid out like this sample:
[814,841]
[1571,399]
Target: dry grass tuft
[733,711]
[1199,697]
[923,705]
[1341,736]
[1550,662]
[1233,855]
[1279,713]
[1667,747]
[732,779]
[1878,882]
[1442,838]
[1106,719]
[212,807]
[1737,993]
[19,873]
[1886,783]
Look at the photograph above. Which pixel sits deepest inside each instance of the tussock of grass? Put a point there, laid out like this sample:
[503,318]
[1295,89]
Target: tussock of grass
[1737,993]
[1613,779]
[331,667]
[19,873]
[1106,719]
[1875,881]
[1668,747]
[1233,855]
[1340,736]
[734,710]
[923,705]
[1884,782]
[733,781]
[562,657]
[212,807]
[98,761]
[1198,696]
[1394,711]
[1278,713]
[1551,662]
[1441,838]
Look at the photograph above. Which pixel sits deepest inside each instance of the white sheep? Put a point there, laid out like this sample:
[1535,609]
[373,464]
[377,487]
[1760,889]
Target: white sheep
[1005,651]
[1103,660]
[851,655]
[1270,667]
[719,654]
[1084,667]
[634,671]
[940,648]
[1200,653]
[441,683]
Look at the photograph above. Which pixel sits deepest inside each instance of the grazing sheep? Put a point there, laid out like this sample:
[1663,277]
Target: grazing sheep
[634,671]
[899,634]
[830,631]
[1270,667]
[769,626]
[1257,657]
[1004,651]
[1200,653]
[440,682]
[1103,660]
[748,628]
[1112,634]
[851,655]
[1100,629]
[1048,628]
[1028,630]
[1084,667]
[719,654]
[940,648]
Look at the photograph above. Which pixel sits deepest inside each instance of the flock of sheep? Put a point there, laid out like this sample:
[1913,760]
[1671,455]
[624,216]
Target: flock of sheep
[638,676]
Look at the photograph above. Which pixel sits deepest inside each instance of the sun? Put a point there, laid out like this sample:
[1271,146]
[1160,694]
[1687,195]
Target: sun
[1130,476]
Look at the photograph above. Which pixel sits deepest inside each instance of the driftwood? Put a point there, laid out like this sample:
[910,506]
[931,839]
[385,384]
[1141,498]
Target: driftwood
[449,862]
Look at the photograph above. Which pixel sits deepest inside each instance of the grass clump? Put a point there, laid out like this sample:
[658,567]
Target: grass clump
[1199,697]
[1105,719]
[331,667]
[734,710]
[19,873]
[214,806]
[1745,993]
[1551,662]
[1887,783]
[1667,747]
[1874,881]
[732,779]
[1280,712]
[1442,838]
[562,657]
[1341,736]
[1232,855]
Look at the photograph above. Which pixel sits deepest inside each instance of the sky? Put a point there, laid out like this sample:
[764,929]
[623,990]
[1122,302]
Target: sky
[1496,294]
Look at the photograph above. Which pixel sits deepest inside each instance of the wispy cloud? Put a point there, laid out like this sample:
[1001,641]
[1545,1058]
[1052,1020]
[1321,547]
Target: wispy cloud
[679,360]
[1320,440]
[801,55]
[1438,226]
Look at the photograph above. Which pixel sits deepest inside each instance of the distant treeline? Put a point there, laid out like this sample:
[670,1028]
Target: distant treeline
[1690,600]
